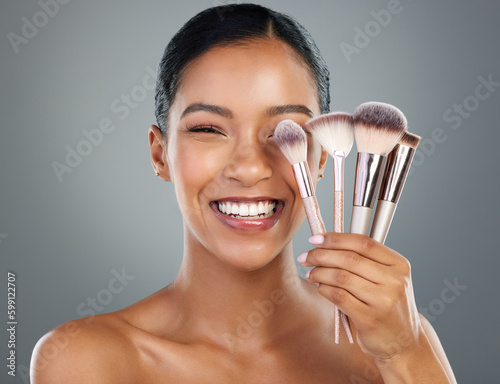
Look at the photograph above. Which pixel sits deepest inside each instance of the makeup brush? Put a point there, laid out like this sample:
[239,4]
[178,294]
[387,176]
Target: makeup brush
[396,172]
[334,131]
[292,141]
[377,129]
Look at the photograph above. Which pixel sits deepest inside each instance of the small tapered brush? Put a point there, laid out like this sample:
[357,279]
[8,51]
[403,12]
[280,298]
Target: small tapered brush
[334,131]
[292,141]
[378,127]
[396,172]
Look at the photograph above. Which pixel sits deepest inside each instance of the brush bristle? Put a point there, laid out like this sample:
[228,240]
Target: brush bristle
[378,127]
[334,131]
[291,140]
[410,140]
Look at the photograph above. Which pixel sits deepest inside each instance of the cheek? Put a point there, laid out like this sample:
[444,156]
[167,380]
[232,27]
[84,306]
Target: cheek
[313,158]
[195,171]
[281,166]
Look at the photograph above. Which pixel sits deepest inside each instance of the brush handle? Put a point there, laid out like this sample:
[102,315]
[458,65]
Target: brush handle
[396,172]
[317,226]
[338,211]
[347,327]
[360,221]
[338,226]
[382,220]
[313,215]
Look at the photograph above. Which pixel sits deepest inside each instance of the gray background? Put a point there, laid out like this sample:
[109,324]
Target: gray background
[64,238]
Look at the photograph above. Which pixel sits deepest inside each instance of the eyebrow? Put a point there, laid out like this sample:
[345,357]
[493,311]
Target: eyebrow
[289,108]
[225,112]
[221,111]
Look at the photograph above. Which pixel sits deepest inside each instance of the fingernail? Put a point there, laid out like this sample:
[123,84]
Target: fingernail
[302,257]
[317,239]
[308,273]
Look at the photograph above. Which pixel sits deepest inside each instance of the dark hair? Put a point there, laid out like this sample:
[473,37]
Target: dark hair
[231,24]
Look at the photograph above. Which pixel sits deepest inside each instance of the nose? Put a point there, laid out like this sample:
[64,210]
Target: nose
[248,165]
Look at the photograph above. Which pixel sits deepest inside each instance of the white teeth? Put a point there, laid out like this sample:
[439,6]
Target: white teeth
[253,210]
[258,210]
[234,209]
[222,207]
[243,210]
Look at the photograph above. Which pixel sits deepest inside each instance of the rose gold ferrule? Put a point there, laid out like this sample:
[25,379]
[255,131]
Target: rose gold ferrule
[338,170]
[368,175]
[396,171]
[304,179]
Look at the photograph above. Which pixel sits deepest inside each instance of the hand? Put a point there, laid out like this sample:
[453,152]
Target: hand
[371,284]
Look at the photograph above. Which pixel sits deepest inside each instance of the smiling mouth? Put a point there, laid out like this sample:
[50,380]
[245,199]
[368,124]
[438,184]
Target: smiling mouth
[250,210]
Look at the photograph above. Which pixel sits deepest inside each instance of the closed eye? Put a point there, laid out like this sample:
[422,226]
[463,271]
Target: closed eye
[203,129]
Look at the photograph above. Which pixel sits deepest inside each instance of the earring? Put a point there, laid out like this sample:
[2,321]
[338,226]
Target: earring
[157,174]
[321,175]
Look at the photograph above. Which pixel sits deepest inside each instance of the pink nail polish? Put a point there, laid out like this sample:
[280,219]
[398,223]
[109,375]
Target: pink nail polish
[317,239]
[307,274]
[302,257]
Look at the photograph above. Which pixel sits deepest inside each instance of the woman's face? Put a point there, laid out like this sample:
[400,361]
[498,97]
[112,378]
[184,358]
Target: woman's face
[236,190]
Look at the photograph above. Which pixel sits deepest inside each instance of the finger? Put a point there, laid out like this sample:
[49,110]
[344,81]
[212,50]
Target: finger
[344,300]
[361,244]
[358,287]
[347,260]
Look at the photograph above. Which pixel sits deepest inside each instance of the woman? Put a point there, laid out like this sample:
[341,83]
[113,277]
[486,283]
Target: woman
[238,311]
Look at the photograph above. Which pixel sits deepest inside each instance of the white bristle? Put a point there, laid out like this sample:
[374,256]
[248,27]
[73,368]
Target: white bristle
[291,140]
[378,127]
[334,131]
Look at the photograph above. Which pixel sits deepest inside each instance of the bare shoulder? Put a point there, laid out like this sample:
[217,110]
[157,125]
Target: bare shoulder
[90,350]
[437,347]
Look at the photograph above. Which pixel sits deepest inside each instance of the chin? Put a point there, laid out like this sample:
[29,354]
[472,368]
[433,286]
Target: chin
[247,259]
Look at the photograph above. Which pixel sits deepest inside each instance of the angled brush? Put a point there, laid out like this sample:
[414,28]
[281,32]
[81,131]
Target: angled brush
[396,172]
[292,141]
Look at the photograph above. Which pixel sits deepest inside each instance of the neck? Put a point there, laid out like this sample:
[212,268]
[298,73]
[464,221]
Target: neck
[236,308]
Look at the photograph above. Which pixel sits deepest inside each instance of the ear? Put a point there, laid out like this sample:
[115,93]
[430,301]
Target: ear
[158,150]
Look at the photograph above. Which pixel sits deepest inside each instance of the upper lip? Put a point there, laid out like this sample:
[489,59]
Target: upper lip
[248,199]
